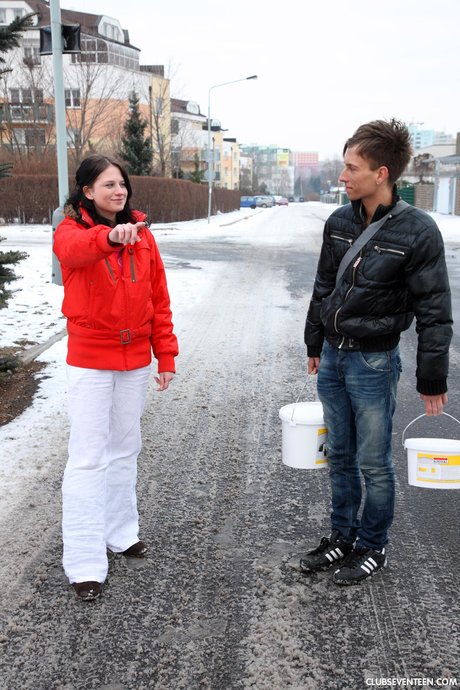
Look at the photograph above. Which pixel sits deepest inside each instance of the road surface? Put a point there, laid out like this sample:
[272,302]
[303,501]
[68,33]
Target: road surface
[219,604]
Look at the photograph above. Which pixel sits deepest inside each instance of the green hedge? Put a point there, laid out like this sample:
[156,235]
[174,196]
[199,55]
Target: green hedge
[33,198]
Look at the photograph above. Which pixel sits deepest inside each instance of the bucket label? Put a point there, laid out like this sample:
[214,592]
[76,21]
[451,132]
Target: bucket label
[321,458]
[437,467]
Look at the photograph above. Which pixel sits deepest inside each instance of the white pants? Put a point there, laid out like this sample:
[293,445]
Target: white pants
[99,489]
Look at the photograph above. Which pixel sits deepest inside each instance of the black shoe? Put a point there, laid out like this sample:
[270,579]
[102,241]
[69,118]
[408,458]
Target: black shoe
[330,551]
[137,550]
[87,591]
[359,565]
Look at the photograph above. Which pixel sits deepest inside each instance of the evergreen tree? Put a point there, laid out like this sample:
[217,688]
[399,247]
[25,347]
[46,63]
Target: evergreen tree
[10,35]
[9,38]
[197,175]
[136,149]
[5,169]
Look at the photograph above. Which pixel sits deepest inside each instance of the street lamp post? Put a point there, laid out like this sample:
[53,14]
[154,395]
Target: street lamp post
[210,153]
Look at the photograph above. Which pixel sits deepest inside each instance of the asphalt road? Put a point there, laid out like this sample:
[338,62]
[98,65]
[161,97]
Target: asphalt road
[219,604]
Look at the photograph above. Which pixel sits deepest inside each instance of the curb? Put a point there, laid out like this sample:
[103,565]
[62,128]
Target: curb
[31,353]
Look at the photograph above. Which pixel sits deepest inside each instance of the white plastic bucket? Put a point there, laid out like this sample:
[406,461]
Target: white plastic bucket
[303,435]
[433,463]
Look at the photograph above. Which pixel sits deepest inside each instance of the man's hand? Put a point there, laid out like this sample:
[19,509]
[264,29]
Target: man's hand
[434,404]
[313,364]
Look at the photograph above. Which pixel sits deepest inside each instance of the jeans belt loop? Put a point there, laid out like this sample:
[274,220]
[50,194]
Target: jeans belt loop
[125,336]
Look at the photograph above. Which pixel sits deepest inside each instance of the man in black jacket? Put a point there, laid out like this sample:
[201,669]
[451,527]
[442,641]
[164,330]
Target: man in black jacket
[352,334]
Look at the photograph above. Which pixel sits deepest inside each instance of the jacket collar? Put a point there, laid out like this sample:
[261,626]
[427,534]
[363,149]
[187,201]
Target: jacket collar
[84,216]
[380,211]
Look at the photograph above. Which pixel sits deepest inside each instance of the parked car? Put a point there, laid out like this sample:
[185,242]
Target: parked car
[291,199]
[264,201]
[282,201]
[248,202]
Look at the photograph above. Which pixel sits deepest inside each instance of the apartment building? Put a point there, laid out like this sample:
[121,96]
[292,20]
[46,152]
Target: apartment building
[273,171]
[424,138]
[190,146]
[188,137]
[98,82]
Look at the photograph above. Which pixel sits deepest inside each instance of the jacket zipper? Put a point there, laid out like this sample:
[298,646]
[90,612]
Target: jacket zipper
[110,269]
[380,250]
[131,265]
[355,266]
[343,239]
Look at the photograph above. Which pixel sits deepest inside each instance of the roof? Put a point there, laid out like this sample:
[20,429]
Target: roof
[88,22]
[450,160]
[180,106]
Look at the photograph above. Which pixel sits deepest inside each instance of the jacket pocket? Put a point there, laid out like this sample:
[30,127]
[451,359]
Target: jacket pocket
[384,262]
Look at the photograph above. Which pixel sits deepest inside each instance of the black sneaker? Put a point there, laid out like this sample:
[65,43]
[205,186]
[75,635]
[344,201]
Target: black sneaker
[360,564]
[330,551]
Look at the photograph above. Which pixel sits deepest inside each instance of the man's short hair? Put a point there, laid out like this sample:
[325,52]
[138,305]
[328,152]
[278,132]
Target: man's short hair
[383,142]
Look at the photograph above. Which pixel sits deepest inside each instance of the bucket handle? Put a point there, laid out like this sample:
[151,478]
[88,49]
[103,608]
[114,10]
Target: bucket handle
[425,415]
[297,400]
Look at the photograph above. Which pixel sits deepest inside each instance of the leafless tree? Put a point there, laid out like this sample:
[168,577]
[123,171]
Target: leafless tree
[95,108]
[27,123]
[422,165]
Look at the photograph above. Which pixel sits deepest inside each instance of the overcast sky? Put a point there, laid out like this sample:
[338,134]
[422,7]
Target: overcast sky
[323,67]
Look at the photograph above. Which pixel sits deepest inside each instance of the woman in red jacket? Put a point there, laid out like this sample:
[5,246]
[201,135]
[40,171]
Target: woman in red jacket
[117,306]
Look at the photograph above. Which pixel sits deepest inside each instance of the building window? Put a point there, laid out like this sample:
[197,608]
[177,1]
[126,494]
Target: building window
[72,98]
[2,16]
[18,13]
[111,31]
[73,137]
[174,126]
[93,50]
[158,106]
[32,55]
[35,138]
[26,96]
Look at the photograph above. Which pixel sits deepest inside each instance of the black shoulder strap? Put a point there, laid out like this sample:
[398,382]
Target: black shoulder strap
[365,236]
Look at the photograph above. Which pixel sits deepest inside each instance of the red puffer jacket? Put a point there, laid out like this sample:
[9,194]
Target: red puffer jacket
[115,298]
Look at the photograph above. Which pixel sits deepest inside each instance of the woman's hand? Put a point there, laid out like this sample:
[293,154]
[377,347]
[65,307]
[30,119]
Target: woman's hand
[164,379]
[126,233]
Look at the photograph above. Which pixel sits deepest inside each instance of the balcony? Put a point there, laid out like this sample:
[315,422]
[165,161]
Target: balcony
[26,113]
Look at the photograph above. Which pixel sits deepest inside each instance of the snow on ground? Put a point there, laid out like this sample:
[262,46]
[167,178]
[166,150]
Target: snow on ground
[33,315]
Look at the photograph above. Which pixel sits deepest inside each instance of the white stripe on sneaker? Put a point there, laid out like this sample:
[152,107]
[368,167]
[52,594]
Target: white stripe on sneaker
[369,565]
[334,555]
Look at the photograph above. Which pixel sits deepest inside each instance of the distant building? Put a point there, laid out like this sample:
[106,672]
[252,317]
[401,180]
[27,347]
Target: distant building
[273,171]
[230,164]
[97,81]
[188,137]
[424,138]
[246,174]
[305,159]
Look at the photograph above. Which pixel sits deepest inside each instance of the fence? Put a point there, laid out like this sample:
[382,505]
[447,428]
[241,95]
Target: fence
[33,198]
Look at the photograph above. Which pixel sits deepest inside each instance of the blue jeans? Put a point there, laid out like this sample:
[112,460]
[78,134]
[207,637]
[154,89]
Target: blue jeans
[358,393]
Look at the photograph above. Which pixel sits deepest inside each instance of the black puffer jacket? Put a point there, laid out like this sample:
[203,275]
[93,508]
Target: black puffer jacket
[400,273]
